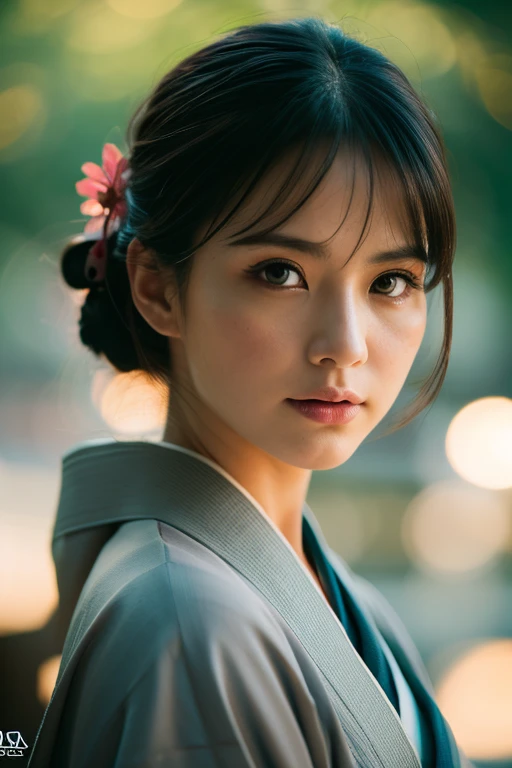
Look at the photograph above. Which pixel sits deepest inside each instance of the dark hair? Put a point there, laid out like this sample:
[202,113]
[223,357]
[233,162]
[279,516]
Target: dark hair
[219,120]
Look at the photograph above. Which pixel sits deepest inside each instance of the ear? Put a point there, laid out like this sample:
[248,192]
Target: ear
[153,290]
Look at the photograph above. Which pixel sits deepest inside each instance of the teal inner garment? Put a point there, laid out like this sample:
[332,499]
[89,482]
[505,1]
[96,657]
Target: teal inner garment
[359,631]
[439,746]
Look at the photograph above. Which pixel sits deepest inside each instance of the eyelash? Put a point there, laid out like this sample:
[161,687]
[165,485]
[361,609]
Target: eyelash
[412,282]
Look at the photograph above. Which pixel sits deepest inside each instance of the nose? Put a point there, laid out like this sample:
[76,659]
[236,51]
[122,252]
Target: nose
[340,333]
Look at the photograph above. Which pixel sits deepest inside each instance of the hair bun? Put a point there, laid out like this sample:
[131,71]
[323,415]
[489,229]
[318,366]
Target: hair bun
[106,314]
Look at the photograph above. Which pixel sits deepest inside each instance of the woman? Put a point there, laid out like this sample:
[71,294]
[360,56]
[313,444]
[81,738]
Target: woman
[283,201]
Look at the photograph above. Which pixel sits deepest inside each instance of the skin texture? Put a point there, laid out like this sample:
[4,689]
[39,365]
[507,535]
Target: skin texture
[244,347]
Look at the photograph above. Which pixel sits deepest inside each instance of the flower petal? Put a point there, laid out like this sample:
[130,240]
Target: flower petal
[89,188]
[110,158]
[122,176]
[94,172]
[91,208]
[94,224]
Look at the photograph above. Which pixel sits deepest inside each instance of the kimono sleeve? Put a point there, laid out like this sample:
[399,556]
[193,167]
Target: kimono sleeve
[187,669]
[227,698]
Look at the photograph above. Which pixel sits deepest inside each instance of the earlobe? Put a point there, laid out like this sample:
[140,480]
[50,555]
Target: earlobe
[150,289]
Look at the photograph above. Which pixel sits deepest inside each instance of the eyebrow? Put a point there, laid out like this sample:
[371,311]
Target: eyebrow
[319,251]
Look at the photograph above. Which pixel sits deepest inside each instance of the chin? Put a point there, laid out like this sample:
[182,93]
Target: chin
[328,453]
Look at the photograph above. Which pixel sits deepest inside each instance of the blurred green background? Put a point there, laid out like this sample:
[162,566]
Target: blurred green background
[425,513]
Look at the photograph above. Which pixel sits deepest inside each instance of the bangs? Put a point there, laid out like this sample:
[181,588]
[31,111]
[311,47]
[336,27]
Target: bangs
[425,213]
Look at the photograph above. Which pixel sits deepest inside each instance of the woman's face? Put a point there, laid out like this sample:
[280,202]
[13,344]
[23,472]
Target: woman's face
[251,340]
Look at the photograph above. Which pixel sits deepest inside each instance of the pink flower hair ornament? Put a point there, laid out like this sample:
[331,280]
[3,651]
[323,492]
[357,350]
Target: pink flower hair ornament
[106,205]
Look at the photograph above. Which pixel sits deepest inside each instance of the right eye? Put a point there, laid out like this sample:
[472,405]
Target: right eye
[277,266]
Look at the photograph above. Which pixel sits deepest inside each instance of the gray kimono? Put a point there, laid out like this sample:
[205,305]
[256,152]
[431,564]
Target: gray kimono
[194,635]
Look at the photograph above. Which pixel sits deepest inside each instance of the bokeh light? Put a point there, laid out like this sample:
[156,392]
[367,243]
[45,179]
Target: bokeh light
[494,80]
[451,527]
[475,696]
[29,589]
[47,677]
[129,403]
[95,28]
[471,53]
[479,442]
[422,40]
[21,108]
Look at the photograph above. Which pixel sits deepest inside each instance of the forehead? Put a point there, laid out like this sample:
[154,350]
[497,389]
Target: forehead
[336,209]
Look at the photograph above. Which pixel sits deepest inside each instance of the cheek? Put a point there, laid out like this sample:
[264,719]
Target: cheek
[415,325]
[395,343]
[236,350]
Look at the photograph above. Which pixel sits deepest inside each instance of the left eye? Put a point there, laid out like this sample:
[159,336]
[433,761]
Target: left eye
[408,280]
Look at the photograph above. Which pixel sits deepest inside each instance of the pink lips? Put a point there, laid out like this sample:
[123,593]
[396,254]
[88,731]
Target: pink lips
[326,412]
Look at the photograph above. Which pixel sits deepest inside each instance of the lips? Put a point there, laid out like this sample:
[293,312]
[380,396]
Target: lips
[326,412]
